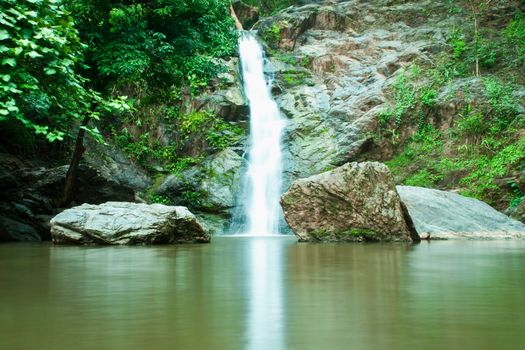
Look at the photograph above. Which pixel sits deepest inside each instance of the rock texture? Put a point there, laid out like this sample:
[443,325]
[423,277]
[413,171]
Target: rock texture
[127,223]
[225,98]
[336,65]
[112,163]
[214,186]
[27,193]
[445,215]
[355,202]
[518,212]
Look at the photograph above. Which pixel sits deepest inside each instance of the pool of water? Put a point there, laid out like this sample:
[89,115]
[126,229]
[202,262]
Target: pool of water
[264,293]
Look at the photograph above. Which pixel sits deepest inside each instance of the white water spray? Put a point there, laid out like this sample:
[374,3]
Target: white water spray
[266,125]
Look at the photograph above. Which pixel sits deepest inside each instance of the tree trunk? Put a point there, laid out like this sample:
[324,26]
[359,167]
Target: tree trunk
[235,18]
[66,196]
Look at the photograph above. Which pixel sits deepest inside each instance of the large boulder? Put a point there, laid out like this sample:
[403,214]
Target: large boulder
[354,202]
[127,223]
[446,215]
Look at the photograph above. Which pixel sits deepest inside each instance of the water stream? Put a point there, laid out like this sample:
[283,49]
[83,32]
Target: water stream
[264,174]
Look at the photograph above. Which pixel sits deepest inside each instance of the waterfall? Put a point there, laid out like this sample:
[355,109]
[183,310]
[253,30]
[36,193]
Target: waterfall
[264,174]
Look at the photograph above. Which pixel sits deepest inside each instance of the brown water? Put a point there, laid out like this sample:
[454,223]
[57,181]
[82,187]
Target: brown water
[264,293]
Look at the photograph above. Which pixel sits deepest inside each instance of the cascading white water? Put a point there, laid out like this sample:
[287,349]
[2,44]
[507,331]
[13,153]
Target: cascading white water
[264,173]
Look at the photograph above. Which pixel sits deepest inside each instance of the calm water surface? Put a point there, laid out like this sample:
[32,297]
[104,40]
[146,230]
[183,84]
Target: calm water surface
[264,293]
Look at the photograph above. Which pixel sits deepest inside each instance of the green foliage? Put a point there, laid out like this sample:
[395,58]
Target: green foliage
[41,56]
[484,145]
[272,34]
[40,50]
[202,131]
[514,36]
[268,7]
[206,125]
[504,104]
[423,178]
[458,44]
[293,60]
[404,100]
[485,169]
[472,156]
[472,123]
[160,199]
[139,150]
[295,78]
[164,43]
[192,199]
[516,195]
[184,163]
[427,96]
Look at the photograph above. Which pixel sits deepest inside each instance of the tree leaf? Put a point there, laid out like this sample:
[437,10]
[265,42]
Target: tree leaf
[33,54]
[9,61]
[4,34]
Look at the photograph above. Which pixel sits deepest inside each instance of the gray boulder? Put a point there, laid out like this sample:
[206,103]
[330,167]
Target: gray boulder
[446,215]
[354,202]
[127,223]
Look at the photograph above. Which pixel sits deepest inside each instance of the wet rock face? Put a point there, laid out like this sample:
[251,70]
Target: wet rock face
[127,223]
[27,197]
[336,65]
[518,212]
[113,164]
[355,202]
[210,189]
[225,98]
[216,181]
[445,215]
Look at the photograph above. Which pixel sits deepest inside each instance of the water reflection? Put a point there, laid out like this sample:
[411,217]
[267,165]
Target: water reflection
[266,323]
[264,293]
[348,295]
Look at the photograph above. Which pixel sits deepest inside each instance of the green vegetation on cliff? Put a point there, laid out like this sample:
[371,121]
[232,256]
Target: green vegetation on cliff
[478,144]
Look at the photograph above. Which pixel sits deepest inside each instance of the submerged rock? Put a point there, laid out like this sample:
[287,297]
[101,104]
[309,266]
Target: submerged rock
[127,223]
[355,202]
[445,215]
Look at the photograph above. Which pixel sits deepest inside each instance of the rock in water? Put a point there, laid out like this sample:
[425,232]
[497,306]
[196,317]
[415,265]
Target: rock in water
[446,215]
[355,202]
[127,223]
